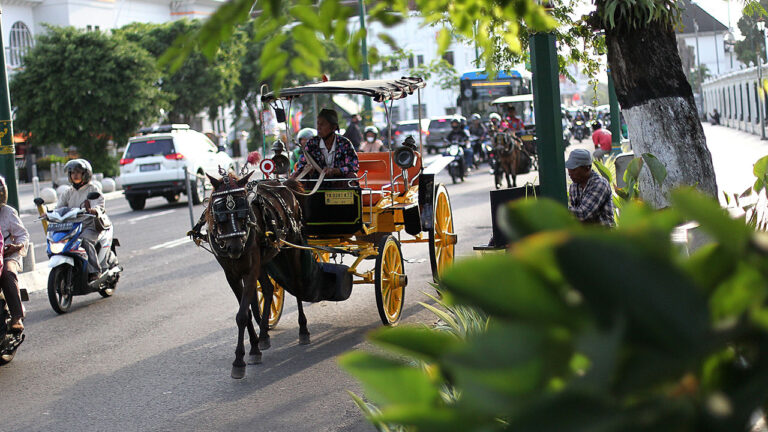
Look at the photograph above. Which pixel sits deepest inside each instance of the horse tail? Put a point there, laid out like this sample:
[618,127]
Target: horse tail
[294,185]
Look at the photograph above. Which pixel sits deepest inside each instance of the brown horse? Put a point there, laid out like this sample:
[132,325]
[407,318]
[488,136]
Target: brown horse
[245,227]
[508,152]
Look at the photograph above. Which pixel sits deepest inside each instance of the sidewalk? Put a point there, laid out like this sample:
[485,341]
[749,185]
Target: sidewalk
[26,197]
[733,155]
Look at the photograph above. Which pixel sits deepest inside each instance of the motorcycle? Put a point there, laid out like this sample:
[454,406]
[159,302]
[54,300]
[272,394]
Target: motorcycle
[566,134]
[481,148]
[9,340]
[68,260]
[457,167]
[579,130]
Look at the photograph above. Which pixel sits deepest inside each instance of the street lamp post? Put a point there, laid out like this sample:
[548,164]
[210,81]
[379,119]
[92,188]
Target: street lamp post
[760,113]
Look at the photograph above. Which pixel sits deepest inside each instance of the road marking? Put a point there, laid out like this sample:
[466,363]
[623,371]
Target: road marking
[141,218]
[170,244]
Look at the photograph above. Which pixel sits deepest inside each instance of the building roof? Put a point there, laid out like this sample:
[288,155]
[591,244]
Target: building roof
[707,23]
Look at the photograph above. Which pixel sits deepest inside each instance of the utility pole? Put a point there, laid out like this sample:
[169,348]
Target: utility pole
[760,113]
[615,115]
[549,127]
[7,149]
[698,70]
[367,107]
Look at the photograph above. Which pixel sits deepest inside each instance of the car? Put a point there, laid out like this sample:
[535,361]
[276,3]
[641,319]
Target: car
[406,128]
[438,129]
[154,162]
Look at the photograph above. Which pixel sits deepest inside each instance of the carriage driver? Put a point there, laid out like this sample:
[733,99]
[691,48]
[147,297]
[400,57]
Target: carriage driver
[332,153]
[79,173]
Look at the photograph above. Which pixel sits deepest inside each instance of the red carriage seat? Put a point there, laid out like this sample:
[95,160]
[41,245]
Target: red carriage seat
[377,166]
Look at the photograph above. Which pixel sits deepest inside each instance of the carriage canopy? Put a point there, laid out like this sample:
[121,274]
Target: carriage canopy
[379,90]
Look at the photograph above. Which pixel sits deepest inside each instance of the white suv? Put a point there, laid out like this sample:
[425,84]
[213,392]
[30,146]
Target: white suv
[154,163]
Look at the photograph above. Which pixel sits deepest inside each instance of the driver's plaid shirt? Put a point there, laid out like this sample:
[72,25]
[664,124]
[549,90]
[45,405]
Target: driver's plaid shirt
[593,203]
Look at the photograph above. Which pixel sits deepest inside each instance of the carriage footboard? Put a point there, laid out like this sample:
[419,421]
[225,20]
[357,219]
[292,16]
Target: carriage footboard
[317,281]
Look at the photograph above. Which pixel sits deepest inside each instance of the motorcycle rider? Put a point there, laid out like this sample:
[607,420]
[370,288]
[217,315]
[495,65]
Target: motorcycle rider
[476,127]
[79,173]
[495,119]
[459,134]
[303,136]
[16,239]
[372,142]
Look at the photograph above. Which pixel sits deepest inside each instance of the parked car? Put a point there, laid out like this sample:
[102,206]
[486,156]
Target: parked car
[405,128]
[438,129]
[154,161]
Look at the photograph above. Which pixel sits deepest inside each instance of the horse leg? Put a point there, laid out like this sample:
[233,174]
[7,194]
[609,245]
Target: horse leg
[236,283]
[243,318]
[267,291]
[303,331]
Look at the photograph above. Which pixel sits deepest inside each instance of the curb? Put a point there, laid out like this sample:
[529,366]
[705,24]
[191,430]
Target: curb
[107,196]
[35,280]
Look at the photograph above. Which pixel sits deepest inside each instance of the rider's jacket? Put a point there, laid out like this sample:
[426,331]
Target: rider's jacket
[457,135]
[13,232]
[74,198]
[478,131]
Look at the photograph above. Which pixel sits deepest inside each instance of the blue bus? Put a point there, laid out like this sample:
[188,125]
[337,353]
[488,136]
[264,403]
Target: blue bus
[477,91]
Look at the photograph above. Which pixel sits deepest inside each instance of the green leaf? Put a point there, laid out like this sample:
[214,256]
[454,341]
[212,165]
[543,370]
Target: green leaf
[443,40]
[421,342]
[524,217]
[514,292]
[603,170]
[760,169]
[387,381]
[732,234]
[710,265]
[437,419]
[616,278]
[745,288]
[657,169]
[632,173]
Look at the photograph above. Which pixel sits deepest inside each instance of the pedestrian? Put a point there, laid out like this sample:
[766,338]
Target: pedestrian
[16,239]
[590,198]
[353,133]
[602,140]
[715,117]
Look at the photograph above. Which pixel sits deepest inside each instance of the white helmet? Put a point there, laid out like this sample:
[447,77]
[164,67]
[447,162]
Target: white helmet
[373,129]
[494,115]
[82,165]
[306,133]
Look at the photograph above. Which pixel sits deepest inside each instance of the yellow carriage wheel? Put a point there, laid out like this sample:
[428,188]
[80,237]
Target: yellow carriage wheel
[389,280]
[278,301]
[442,239]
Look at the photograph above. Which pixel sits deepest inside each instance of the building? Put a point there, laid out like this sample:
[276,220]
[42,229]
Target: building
[707,40]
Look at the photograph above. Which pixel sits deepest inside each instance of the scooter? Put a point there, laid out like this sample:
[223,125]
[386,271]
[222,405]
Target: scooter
[9,340]
[68,260]
[481,148]
[579,130]
[457,167]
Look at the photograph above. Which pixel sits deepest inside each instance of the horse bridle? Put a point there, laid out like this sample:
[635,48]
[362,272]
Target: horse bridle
[231,206]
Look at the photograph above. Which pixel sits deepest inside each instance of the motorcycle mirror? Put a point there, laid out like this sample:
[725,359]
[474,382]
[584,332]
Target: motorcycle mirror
[39,201]
[93,195]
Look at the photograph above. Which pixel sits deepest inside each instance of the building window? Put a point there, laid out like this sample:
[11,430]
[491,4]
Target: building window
[394,115]
[416,111]
[410,62]
[448,57]
[19,44]
[393,66]
[419,60]
[450,110]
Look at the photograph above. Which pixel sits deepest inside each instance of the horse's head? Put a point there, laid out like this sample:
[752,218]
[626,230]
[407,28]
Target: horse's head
[230,218]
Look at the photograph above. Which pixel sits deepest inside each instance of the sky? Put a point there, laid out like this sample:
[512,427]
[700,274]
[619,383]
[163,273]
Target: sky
[719,10]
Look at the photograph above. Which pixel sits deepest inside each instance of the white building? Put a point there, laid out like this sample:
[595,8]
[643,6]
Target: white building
[699,27]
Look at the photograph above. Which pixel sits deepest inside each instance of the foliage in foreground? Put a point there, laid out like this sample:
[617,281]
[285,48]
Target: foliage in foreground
[589,330]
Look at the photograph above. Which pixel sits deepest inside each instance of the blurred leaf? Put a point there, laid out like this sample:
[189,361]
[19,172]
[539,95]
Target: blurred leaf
[436,419]
[710,265]
[632,173]
[652,292]
[732,234]
[603,170]
[515,291]
[760,169]
[524,217]
[443,40]
[421,342]
[657,169]
[388,381]
[743,289]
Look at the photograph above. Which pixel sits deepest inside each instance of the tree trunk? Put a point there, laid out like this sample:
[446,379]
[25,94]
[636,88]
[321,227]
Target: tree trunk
[659,108]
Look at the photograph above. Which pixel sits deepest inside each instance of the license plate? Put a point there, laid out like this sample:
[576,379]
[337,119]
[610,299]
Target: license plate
[60,226]
[339,198]
[150,167]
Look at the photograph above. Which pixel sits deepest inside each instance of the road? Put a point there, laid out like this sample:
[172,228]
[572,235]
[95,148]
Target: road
[157,355]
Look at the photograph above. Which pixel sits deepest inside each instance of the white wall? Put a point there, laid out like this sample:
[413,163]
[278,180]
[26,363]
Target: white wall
[712,52]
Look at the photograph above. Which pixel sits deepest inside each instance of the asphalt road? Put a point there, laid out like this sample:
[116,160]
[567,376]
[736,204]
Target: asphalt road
[157,355]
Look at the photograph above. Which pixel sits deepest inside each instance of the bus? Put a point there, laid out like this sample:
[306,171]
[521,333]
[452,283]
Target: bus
[477,91]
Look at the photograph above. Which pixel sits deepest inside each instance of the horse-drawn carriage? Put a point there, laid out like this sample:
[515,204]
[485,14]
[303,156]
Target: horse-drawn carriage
[365,217]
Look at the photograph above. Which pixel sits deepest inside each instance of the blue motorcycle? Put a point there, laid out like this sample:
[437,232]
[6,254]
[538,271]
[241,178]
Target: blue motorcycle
[68,260]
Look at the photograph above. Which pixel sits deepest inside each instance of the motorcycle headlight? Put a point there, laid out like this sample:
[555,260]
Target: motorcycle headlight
[57,247]
[453,151]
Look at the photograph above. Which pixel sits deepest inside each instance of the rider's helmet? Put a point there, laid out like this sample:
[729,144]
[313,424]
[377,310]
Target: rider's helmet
[475,116]
[371,129]
[3,191]
[278,147]
[306,133]
[81,165]
[495,116]
[455,123]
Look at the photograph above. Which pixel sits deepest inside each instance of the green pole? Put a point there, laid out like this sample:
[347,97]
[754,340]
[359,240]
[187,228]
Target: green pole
[7,149]
[367,107]
[615,118]
[549,128]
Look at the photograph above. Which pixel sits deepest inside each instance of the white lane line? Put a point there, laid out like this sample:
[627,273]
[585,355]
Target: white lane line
[141,218]
[170,244]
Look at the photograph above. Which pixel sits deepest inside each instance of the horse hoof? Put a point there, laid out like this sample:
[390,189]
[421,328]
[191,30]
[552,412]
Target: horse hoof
[238,372]
[254,359]
[303,339]
[264,344]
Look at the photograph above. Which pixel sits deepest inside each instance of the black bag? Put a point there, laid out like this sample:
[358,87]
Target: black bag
[317,281]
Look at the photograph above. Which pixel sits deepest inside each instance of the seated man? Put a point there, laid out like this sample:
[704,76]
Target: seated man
[332,153]
[590,197]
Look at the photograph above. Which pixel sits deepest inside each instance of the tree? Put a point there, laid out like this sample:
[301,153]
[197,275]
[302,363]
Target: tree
[82,89]
[199,84]
[751,46]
